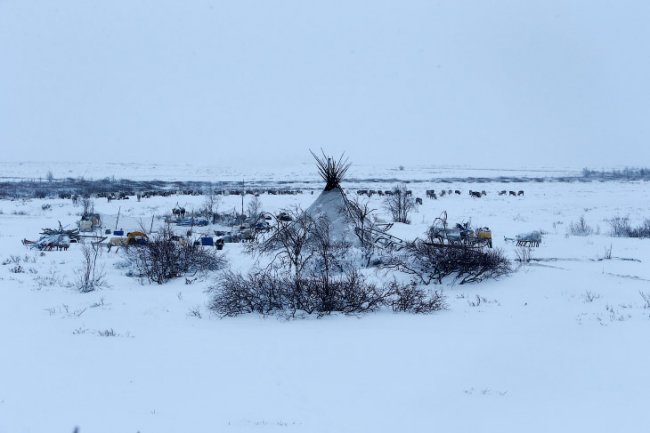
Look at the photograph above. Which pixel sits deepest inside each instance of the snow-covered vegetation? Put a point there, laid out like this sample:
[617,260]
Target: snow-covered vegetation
[142,338]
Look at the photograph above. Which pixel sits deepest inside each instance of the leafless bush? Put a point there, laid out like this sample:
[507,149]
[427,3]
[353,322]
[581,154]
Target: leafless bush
[258,292]
[432,262]
[195,312]
[365,224]
[590,297]
[348,293]
[269,292]
[16,264]
[524,253]
[89,277]
[580,228]
[642,231]
[400,203]
[87,206]
[278,293]
[254,207]
[97,304]
[211,204]
[162,259]
[17,269]
[621,227]
[328,255]
[411,298]
[608,253]
[291,242]
[49,280]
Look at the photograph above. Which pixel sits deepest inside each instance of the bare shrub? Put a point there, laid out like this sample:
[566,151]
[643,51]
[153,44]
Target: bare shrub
[89,277]
[432,262]
[269,292]
[17,269]
[348,293]
[524,253]
[476,302]
[580,228]
[642,231]
[211,204]
[411,298]
[195,312]
[608,253]
[590,297]
[16,264]
[257,292]
[291,241]
[329,255]
[365,225]
[254,207]
[278,293]
[162,259]
[621,227]
[49,280]
[400,203]
[87,206]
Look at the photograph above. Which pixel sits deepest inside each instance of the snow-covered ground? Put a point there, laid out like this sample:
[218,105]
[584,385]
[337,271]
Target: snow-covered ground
[299,171]
[559,345]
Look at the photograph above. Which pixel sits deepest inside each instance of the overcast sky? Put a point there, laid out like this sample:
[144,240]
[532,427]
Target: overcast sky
[478,83]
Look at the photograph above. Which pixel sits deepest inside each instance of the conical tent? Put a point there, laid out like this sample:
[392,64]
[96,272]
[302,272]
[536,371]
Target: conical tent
[332,202]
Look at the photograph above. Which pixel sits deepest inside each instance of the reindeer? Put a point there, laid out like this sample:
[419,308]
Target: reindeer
[117,242]
[512,193]
[418,200]
[504,192]
[178,211]
[474,194]
[520,193]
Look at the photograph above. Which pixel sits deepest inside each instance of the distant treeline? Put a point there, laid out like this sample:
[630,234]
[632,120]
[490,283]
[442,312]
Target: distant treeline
[623,174]
[82,187]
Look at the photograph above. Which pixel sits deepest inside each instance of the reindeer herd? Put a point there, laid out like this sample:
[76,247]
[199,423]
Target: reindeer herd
[126,195]
[432,194]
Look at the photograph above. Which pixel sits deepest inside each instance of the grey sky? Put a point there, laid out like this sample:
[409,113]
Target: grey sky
[482,83]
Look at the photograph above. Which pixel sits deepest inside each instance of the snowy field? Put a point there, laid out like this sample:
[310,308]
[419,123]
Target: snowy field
[296,173]
[561,344]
